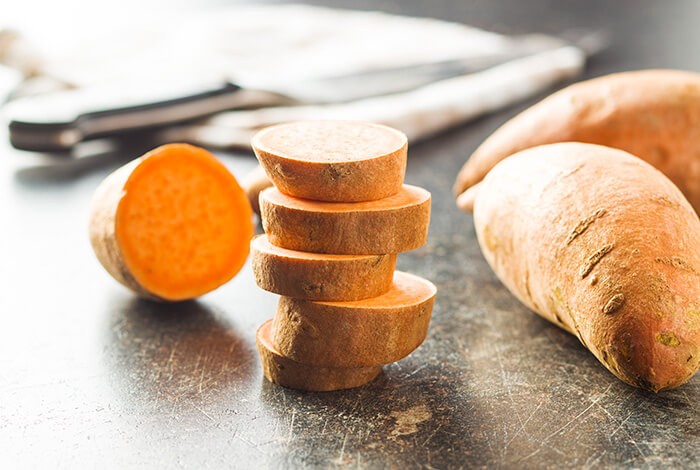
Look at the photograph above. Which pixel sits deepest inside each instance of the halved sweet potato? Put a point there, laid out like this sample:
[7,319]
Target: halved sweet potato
[171,225]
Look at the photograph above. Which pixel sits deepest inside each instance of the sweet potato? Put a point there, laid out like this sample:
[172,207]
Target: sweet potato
[363,333]
[314,276]
[253,184]
[653,114]
[600,243]
[390,225]
[171,225]
[336,161]
[288,373]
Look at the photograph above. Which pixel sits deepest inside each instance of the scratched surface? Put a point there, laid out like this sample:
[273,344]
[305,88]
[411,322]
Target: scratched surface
[90,376]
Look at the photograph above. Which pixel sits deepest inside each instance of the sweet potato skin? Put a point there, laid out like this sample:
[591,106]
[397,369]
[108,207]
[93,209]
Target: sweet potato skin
[253,184]
[354,228]
[652,114]
[600,243]
[378,174]
[101,228]
[315,277]
[352,334]
[291,374]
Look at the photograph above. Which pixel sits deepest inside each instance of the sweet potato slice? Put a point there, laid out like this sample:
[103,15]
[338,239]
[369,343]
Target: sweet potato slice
[363,333]
[171,225]
[653,114]
[288,373]
[602,244]
[337,161]
[390,225]
[314,276]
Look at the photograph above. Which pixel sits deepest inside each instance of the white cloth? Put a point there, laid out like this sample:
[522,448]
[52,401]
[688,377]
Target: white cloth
[419,113]
[259,45]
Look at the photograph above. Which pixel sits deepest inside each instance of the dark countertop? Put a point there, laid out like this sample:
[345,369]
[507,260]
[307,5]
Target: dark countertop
[91,376]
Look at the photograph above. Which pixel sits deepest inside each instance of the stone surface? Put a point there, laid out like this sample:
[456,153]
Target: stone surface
[93,377]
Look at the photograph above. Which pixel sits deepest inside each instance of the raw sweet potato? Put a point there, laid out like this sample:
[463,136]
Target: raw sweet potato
[602,244]
[336,161]
[363,333]
[253,184]
[390,225]
[653,114]
[288,373]
[171,225]
[315,276]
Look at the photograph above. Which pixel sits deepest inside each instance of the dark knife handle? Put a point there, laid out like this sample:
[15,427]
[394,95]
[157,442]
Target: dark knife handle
[33,130]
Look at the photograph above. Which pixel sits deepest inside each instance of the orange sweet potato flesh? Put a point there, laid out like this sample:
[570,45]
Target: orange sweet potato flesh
[336,161]
[315,276]
[602,244]
[171,225]
[653,114]
[390,225]
[291,374]
[364,333]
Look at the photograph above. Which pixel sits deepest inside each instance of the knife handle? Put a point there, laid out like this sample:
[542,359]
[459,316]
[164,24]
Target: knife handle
[58,121]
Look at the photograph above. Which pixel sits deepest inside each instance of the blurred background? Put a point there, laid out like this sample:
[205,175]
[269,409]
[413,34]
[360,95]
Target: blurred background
[53,22]
[146,53]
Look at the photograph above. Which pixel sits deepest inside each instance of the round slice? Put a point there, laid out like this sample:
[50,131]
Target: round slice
[171,225]
[314,276]
[288,373]
[391,225]
[337,161]
[363,333]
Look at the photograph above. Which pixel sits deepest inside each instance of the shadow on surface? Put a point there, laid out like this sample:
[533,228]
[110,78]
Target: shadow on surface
[176,352]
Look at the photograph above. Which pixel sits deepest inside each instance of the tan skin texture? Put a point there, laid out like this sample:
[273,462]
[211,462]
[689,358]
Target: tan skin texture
[171,225]
[253,184]
[288,373]
[653,114]
[363,333]
[600,243]
[335,161]
[391,225]
[315,276]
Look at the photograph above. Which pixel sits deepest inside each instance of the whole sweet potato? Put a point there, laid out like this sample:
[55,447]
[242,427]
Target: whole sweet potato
[602,244]
[653,114]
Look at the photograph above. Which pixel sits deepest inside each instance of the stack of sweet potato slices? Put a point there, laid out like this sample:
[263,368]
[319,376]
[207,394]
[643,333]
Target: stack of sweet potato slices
[334,222]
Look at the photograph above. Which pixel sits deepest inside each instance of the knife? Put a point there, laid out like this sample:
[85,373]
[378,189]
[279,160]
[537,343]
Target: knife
[56,122]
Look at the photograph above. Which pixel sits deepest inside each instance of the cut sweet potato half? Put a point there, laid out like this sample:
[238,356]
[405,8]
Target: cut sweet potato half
[338,161]
[171,225]
[314,276]
[363,333]
[390,225]
[288,373]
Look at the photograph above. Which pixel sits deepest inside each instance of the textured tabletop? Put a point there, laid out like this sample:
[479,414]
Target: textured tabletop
[92,377]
